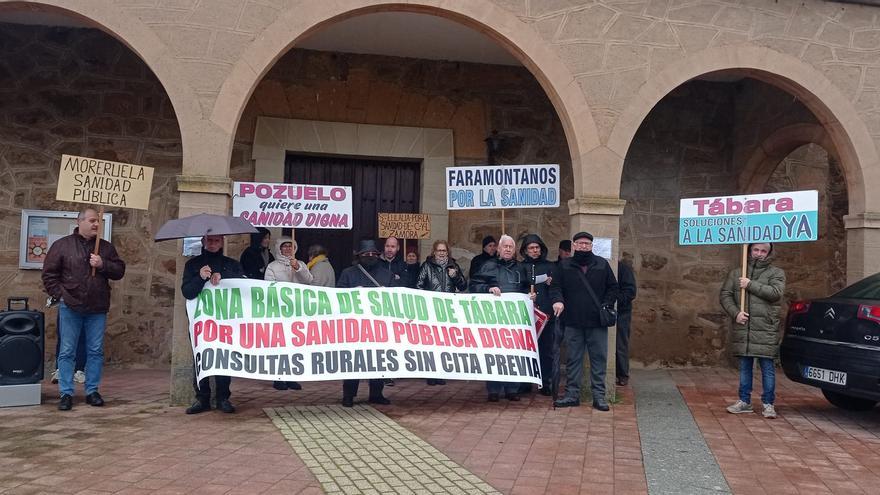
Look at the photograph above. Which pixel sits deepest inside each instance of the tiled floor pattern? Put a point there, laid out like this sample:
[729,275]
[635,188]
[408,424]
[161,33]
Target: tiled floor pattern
[361,451]
[811,448]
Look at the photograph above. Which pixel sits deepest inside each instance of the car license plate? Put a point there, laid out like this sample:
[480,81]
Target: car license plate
[823,375]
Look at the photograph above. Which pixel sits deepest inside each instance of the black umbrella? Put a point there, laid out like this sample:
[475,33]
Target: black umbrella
[204,224]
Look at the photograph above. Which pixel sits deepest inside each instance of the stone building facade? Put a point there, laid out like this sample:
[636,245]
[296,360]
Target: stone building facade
[613,91]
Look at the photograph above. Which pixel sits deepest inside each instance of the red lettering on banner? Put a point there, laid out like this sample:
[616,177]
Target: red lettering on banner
[732,206]
[507,338]
[293,191]
[261,335]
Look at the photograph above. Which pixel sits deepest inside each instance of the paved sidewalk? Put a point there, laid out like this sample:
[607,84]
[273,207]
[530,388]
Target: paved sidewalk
[138,444]
[811,448]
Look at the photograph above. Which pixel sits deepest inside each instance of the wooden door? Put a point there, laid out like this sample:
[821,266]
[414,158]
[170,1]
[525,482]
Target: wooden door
[378,185]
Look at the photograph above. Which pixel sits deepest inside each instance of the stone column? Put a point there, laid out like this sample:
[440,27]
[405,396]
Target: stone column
[198,194]
[862,245]
[600,216]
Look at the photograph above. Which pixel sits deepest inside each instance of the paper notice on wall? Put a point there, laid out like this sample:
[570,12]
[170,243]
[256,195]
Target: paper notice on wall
[602,247]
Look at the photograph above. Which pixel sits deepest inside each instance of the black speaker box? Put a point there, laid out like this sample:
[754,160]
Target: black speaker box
[22,344]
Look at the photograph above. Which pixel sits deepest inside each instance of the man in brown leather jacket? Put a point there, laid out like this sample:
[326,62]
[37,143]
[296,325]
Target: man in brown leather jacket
[84,301]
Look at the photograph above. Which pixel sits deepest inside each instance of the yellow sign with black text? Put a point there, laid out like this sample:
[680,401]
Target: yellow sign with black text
[102,182]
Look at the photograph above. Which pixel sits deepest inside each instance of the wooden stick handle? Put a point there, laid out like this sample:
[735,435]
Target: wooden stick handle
[503,227]
[742,291]
[98,237]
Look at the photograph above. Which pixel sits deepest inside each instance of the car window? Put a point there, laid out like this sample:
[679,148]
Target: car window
[868,288]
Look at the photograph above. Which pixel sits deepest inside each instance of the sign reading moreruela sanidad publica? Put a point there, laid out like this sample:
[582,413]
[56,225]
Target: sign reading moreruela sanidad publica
[103,182]
[502,187]
[773,217]
[283,331]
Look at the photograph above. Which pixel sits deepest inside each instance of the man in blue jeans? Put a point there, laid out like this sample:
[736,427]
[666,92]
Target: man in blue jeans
[84,301]
[755,332]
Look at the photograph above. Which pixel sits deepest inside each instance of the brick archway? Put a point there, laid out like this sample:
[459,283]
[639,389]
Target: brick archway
[837,115]
[504,27]
[140,39]
[776,147]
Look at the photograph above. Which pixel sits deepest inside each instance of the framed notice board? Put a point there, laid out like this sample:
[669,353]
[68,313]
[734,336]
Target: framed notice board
[40,228]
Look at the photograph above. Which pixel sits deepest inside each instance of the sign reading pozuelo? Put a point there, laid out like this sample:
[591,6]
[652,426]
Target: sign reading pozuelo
[298,206]
[405,225]
[502,186]
[102,182]
[773,217]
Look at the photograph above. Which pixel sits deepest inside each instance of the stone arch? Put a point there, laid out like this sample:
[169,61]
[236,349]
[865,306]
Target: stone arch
[495,22]
[853,144]
[140,39]
[776,147]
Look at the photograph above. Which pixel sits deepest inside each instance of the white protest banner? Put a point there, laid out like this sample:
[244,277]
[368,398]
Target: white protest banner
[502,186]
[282,331]
[102,182]
[773,217]
[405,225]
[298,206]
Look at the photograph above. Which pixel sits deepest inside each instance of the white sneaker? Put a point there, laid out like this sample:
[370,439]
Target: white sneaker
[769,411]
[79,377]
[740,407]
[55,376]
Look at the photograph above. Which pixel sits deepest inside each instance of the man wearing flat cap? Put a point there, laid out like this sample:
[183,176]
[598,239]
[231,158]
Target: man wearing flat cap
[367,272]
[577,277]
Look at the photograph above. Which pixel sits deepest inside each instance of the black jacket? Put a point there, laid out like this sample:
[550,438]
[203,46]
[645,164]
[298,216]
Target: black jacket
[410,276]
[478,261]
[535,267]
[397,267]
[224,265]
[568,288]
[251,259]
[627,287]
[509,276]
[436,278]
[353,277]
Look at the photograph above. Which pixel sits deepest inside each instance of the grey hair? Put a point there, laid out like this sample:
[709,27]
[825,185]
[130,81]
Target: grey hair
[506,237]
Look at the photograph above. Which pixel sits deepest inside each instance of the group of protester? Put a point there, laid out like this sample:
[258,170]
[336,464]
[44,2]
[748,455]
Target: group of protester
[579,291]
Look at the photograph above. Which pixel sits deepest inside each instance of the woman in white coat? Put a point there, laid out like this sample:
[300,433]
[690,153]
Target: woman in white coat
[286,268]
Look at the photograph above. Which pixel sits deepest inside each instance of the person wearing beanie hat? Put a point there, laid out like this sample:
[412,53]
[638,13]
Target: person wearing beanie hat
[755,332]
[581,282]
[490,251]
[564,250]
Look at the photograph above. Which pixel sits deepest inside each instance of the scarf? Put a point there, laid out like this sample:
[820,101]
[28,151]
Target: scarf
[317,259]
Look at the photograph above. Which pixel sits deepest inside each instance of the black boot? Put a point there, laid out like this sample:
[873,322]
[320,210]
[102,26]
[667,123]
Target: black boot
[199,406]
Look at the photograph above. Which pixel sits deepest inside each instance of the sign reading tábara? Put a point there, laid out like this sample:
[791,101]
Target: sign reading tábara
[502,187]
[102,182]
[299,206]
[773,217]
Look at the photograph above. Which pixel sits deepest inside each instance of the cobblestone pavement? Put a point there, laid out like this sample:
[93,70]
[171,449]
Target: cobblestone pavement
[137,444]
[359,450]
[811,448]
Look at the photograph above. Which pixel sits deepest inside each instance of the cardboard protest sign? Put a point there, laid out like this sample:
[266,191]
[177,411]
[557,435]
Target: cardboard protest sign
[497,186]
[282,331]
[298,206]
[405,225]
[102,182]
[774,217]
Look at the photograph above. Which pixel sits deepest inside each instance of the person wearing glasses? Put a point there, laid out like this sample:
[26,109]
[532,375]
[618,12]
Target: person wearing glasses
[440,273]
[497,276]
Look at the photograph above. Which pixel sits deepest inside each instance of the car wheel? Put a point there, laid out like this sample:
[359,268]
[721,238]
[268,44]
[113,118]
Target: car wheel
[848,402]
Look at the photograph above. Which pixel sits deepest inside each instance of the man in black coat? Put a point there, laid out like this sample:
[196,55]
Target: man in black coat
[583,327]
[540,273]
[369,271]
[624,319]
[256,257]
[490,251]
[210,265]
[496,276]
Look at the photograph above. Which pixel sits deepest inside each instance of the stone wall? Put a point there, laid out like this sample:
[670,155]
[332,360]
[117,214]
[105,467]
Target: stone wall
[81,92]
[694,143]
[471,99]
